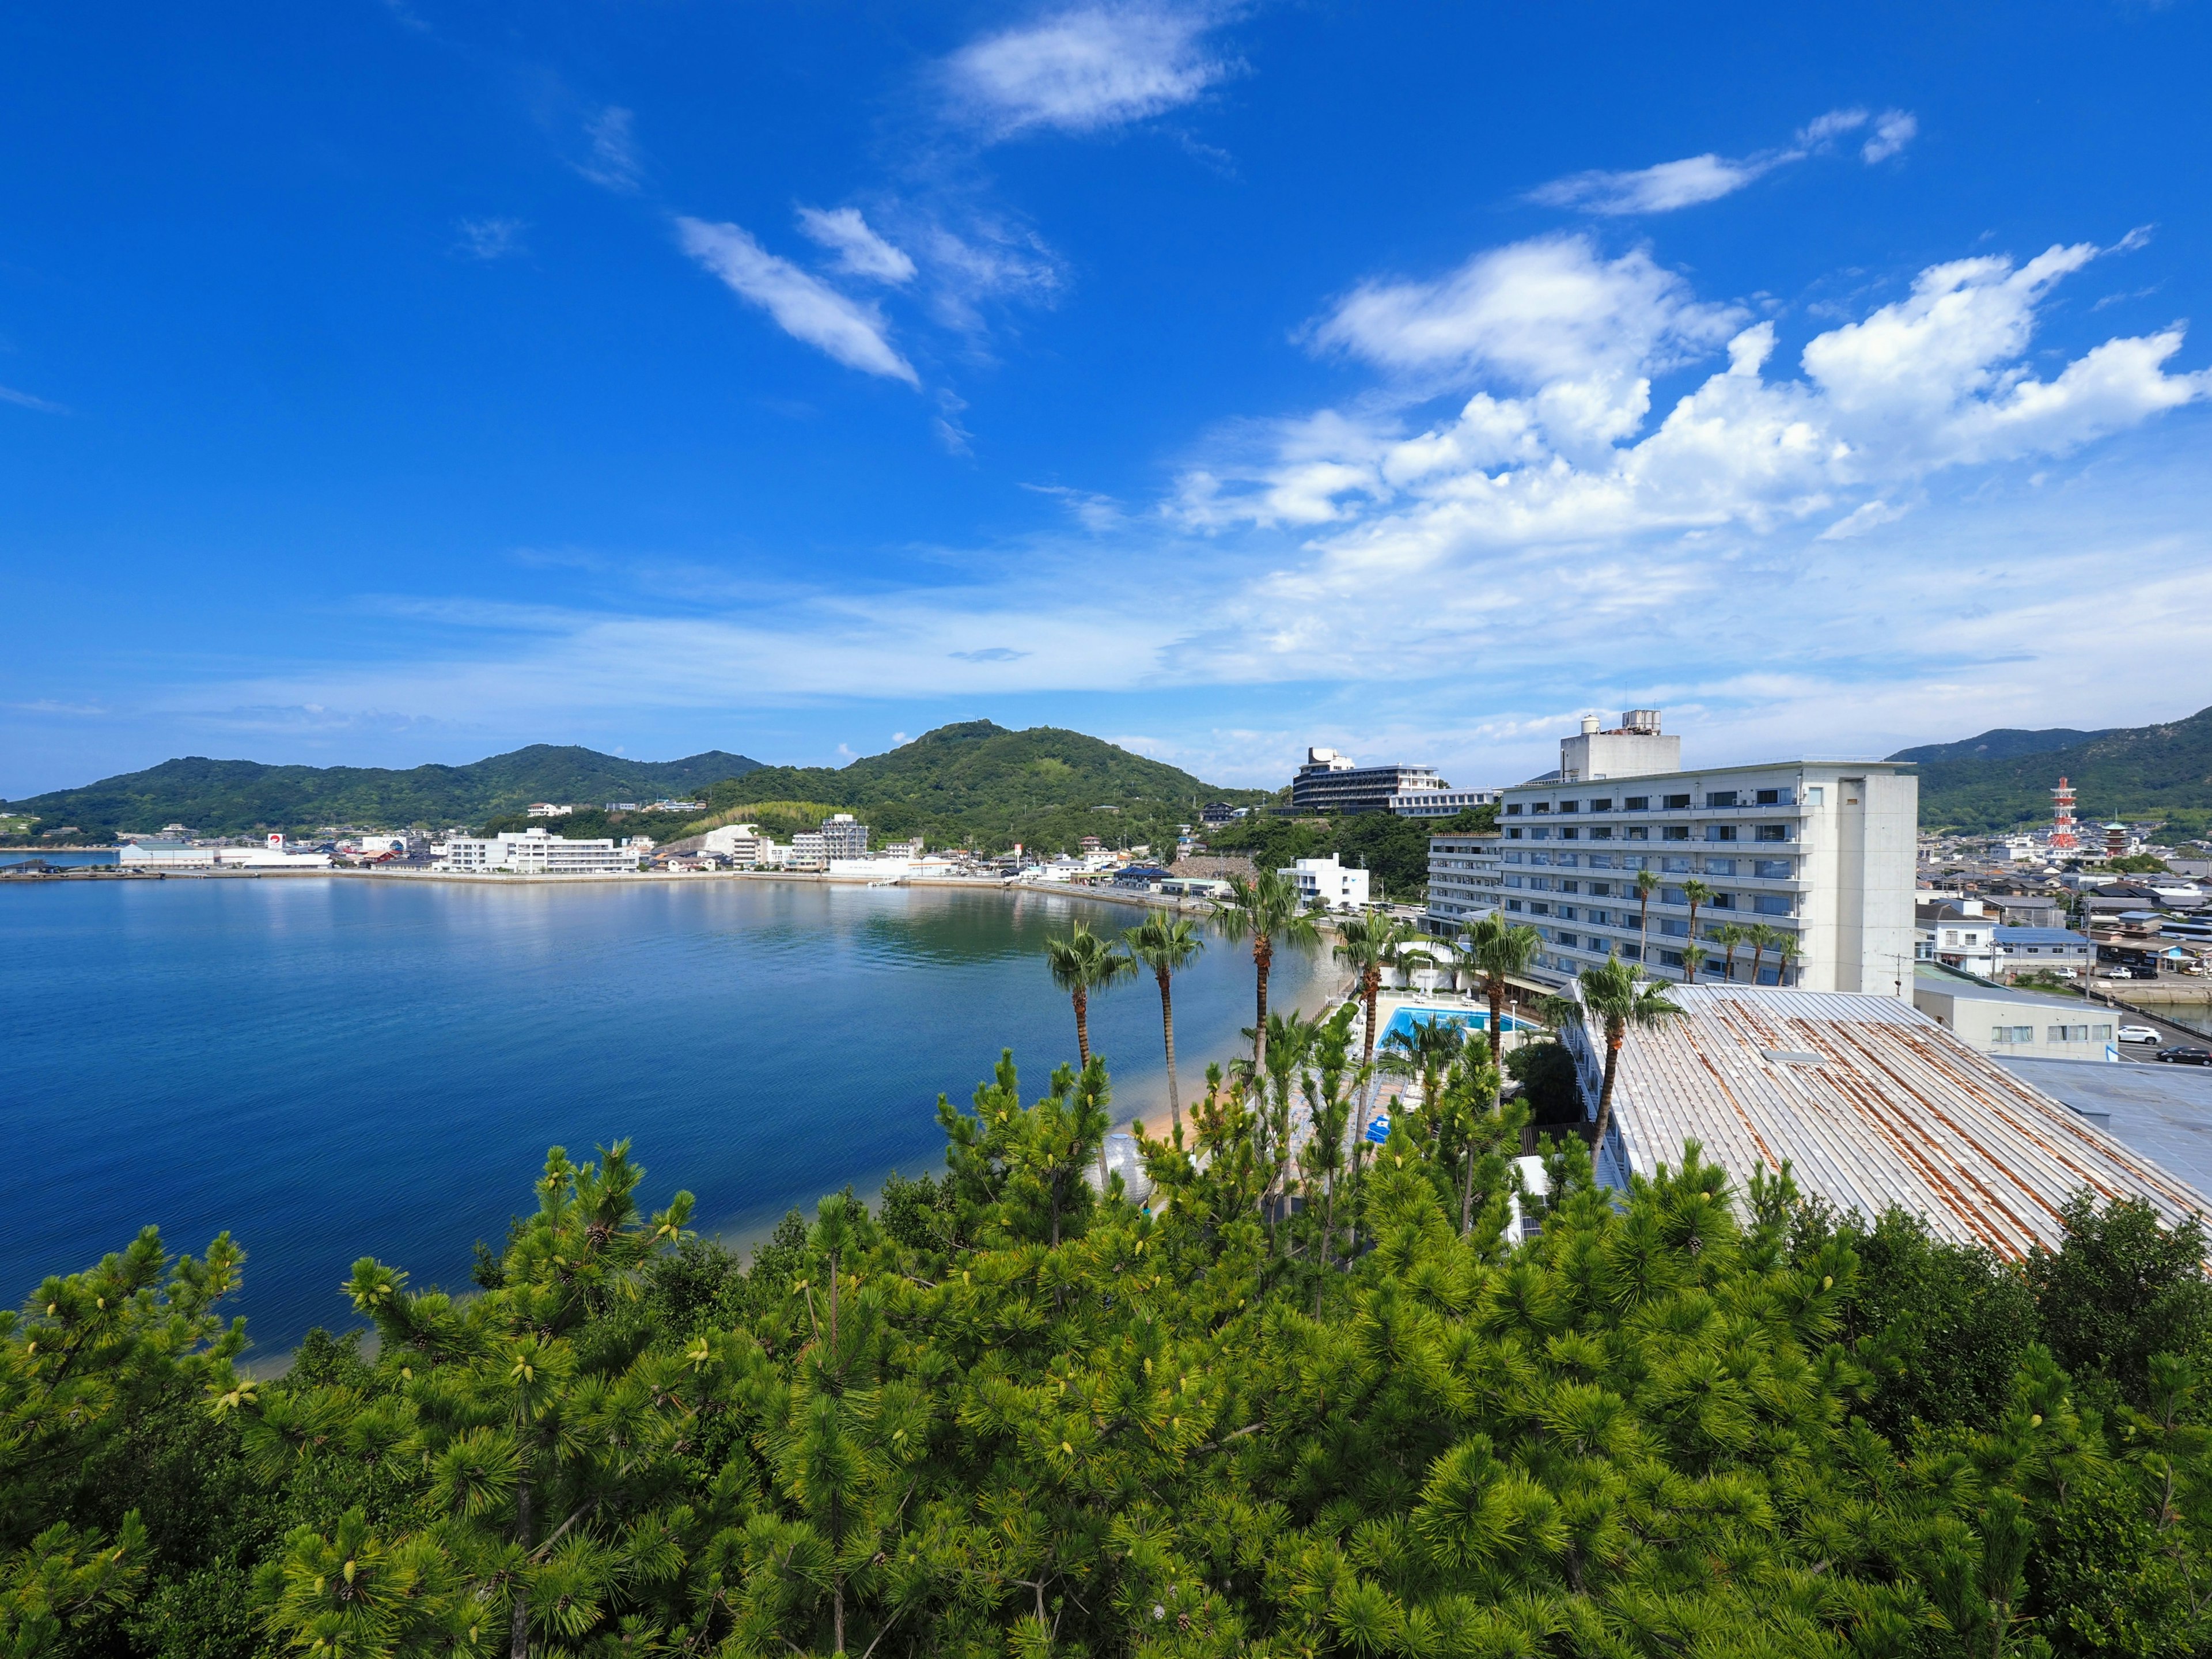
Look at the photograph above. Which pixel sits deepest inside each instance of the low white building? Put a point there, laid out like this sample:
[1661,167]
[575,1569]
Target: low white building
[273,854]
[1441,803]
[1465,879]
[2013,1024]
[1957,933]
[546,809]
[738,843]
[1326,882]
[538,851]
[810,850]
[2058,951]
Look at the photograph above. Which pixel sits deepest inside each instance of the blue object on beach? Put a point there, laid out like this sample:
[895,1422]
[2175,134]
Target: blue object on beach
[1402,1022]
[1379,1130]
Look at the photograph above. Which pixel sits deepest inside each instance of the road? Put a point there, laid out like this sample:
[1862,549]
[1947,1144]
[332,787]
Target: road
[2169,1034]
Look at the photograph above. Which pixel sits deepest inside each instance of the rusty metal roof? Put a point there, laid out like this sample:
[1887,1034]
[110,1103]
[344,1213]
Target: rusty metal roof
[1871,1103]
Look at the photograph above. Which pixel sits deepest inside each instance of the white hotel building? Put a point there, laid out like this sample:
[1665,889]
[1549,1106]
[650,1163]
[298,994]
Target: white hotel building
[1820,851]
[534,852]
[1465,879]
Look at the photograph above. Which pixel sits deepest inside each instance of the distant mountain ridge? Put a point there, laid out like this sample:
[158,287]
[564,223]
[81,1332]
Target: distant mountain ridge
[220,797]
[2160,772]
[2006,743]
[971,781]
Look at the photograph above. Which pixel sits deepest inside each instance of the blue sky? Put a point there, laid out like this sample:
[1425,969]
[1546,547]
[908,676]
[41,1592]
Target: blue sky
[391,382]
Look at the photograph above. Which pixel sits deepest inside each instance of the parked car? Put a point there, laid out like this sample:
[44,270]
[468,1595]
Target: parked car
[2138,1034]
[2187,1056]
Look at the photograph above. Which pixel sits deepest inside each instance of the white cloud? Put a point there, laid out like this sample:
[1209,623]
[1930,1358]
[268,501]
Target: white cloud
[1893,130]
[1699,178]
[802,306]
[860,252]
[25,400]
[491,238]
[1870,515]
[1660,189]
[1552,349]
[615,160]
[1084,69]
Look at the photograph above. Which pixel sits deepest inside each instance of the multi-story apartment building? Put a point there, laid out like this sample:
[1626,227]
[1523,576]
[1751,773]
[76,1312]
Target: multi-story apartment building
[810,850]
[1441,803]
[536,852]
[1465,879]
[842,838]
[1330,782]
[1820,852]
[1326,883]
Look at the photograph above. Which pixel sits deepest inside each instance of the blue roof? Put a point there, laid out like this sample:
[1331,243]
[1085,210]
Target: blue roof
[2040,936]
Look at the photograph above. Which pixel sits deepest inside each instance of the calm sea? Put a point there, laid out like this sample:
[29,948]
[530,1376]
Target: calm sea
[336,1067]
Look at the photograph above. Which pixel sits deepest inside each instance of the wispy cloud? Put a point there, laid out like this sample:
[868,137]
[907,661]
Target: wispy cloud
[802,306]
[1084,69]
[1697,178]
[860,252]
[25,400]
[615,162]
[491,238]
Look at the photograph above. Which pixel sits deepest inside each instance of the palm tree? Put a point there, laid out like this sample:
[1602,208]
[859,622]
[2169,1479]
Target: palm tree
[1647,883]
[1787,949]
[1370,943]
[1697,892]
[1081,963]
[1763,940]
[1264,910]
[1733,935]
[1166,945]
[1693,957]
[1499,951]
[1623,999]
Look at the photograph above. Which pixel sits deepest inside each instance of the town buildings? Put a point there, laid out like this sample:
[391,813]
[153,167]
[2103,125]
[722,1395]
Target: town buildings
[1958,932]
[1465,879]
[1327,882]
[1820,852]
[1330,782]
[2043,950]
[274,854]
[843,838]
[539,852]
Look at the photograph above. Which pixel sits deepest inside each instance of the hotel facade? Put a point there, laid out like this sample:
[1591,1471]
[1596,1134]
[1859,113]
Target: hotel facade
[1820,852]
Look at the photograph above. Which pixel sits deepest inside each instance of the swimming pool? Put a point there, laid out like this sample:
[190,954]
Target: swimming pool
[1402,1022]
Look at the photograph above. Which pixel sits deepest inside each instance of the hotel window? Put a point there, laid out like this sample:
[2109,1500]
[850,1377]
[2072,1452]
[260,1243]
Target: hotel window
[1771,904]
[1542,806]
[1720,832]
[1673,896]
[1566,860]
[1637,833]
[1772,869]
[2067,1034]
[1513,904]
[1515,881]
[1676,802]
[1815,795]
[1567,911]
[1674,866]
[1600,832]
[1670,958]
[1632,952]
[1635,804]
[1539,835]
[2017,1033]
[1540,858]
[1720,798]
[1773,832]
[1567,834]
[1773,798]
[1675,832]
[1513,834]
[1538,907]
[1601,888]
[1513,810]
[1570,887]
[1599,861]
[1601,805]
[1720,866]
[1571,807]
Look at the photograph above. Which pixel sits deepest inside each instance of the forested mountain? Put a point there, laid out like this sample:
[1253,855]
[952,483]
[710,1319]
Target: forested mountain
[2162,772]
[2005,742]
[219,797]
[975,782]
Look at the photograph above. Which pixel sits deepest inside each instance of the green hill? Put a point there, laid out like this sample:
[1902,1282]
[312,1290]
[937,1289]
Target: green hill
[2161,772]
[217,797]
[2006,743]
[979,783]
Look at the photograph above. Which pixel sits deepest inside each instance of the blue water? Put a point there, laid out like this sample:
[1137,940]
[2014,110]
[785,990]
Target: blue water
[330,1068]
[10,855]
[1402,1022]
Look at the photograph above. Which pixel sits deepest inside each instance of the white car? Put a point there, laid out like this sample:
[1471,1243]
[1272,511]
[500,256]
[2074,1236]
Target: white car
[2138,1034]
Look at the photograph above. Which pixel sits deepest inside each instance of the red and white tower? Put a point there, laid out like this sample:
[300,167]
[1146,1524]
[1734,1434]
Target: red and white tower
[2064,837]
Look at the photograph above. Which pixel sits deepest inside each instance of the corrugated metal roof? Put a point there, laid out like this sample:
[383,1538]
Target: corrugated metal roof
[1871,1103]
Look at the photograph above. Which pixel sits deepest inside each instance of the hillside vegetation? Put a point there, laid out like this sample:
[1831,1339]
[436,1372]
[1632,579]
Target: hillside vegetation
[217,797]
[1314,1404]
[2150,772]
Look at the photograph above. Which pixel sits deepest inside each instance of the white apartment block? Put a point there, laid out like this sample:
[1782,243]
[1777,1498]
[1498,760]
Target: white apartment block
[1326,882]
[842,838]
[810,850]
[1822,851]
[535,852]
[1466,879]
